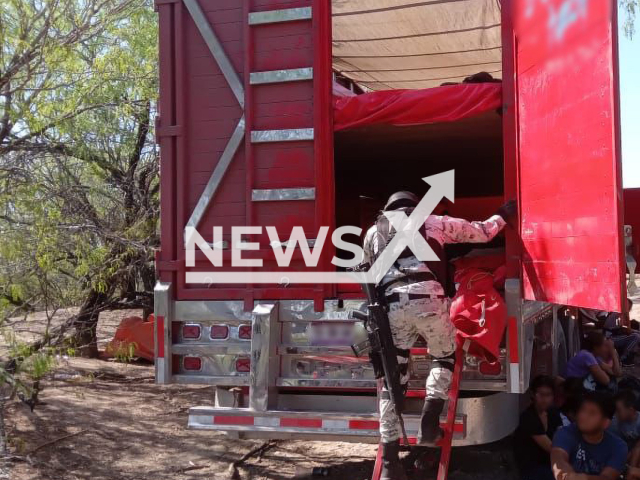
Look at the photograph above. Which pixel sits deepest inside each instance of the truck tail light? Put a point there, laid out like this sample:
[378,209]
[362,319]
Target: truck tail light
[192,363]
[219,332]
[191,331]
[487,368]
[244,332]
[243,365]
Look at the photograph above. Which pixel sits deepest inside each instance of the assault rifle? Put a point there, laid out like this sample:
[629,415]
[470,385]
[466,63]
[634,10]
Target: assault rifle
[379,345]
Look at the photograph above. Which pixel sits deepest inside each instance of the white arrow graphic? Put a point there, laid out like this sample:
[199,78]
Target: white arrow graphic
[407,235]
[407,228]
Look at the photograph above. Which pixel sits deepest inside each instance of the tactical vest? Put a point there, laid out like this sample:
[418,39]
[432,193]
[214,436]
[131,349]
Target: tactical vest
[438,269]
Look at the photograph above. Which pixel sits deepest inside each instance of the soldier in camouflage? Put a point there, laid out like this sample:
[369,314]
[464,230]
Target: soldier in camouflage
[418,305]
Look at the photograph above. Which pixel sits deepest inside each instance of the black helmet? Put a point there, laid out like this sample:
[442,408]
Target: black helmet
[401,199]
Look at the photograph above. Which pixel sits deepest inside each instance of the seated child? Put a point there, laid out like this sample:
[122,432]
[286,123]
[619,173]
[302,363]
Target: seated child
[538,424]
[626,425]
[589,366]
[585,450]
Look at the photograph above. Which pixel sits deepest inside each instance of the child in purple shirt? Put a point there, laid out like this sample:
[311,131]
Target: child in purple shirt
[586,365]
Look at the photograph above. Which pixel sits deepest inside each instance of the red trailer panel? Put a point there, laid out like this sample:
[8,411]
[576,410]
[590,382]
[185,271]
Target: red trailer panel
[246,136]
[570,190]
[245,130]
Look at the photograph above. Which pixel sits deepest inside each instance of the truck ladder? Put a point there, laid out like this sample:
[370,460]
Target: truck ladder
[445,443]
[454,393]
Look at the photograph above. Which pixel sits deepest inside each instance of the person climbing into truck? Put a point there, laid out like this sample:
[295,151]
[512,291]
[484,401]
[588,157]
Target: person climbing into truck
[418,297]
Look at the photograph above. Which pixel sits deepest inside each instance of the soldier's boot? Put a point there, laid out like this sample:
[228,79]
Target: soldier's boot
[392,468]
[430,433]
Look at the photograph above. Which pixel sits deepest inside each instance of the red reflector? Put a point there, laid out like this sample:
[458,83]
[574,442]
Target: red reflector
[244,332]
[192,363]
[487,368]
[224,420]
[219,332]
[301,422]
[458,427]
[191,331]
[363,425]
[415,393]
[419,351]
[243,365]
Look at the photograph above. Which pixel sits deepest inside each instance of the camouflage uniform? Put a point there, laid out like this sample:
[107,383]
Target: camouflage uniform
[427,317]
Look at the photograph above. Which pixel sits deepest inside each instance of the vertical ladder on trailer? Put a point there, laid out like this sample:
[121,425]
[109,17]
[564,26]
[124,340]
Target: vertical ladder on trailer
[454,394]
[452,406]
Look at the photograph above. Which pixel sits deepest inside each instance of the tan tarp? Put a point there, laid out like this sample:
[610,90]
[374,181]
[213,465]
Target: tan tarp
[388,44]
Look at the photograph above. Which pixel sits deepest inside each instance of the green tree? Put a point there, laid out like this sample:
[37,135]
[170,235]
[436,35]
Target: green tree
[78,164]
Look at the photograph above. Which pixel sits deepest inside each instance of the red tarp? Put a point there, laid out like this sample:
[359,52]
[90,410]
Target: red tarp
[133,338]
[416,107]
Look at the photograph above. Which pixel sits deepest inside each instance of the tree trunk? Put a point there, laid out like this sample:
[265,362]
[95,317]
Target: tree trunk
[86,324]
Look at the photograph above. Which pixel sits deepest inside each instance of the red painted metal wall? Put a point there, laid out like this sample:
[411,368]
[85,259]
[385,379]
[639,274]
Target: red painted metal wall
[199,113]
[567,131]
[561,144]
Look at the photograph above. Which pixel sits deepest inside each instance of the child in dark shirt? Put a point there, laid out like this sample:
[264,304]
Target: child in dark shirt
[626,425]
[538,423]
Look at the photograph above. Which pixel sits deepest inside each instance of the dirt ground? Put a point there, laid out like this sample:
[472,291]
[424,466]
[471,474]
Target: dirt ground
[104,420]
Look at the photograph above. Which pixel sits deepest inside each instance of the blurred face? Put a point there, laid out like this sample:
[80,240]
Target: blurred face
[601,351]
[543,398]
[590,419]
[625,414]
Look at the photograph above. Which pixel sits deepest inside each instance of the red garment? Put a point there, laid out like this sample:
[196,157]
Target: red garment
[416,107]
[479,313]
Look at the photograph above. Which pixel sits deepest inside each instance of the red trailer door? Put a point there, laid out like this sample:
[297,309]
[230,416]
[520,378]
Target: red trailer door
[245,134]
[566,126]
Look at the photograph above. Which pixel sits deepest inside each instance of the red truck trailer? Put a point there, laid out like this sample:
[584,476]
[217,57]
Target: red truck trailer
[247,134]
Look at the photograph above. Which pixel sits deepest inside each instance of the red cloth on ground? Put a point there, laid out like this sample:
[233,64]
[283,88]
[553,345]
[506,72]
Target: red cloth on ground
[133,337]
[479,313]
[416,107]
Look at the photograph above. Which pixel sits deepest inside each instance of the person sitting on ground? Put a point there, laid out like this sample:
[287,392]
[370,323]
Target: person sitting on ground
[587,364]
[569,398]
[625,339]
[585,450]
[626,425]
[610,360]
[538,424]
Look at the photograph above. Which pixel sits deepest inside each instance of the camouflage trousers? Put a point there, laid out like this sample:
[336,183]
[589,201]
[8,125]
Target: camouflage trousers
[428,318]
